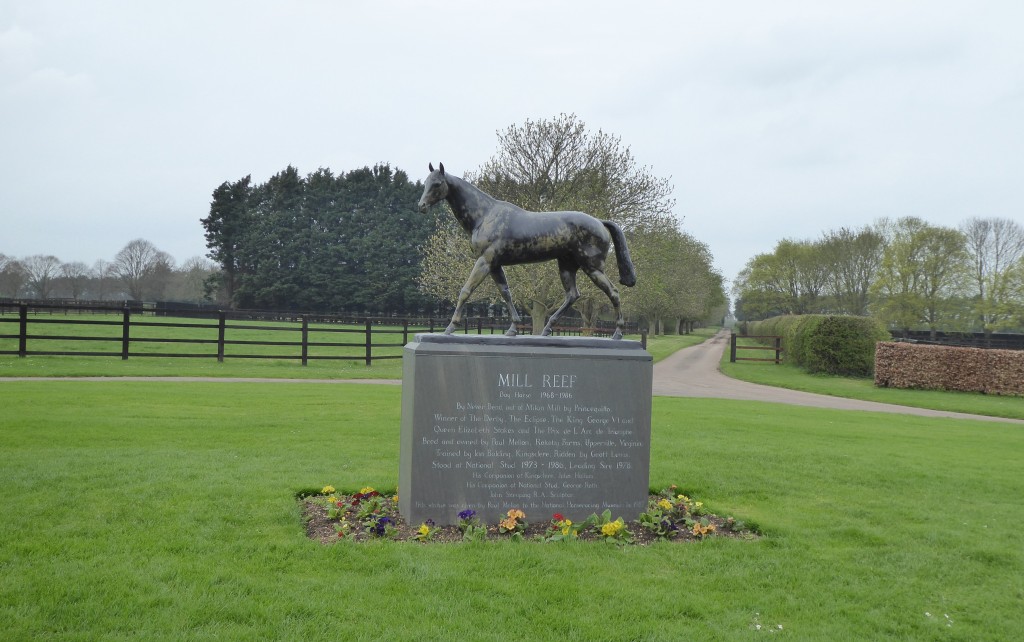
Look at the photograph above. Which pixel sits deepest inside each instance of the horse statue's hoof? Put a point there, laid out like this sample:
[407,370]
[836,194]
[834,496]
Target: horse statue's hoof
[511,333]
[546,332]
[450,329]
[617,335]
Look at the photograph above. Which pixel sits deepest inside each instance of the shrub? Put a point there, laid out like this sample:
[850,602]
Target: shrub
[838,345]
[844,345]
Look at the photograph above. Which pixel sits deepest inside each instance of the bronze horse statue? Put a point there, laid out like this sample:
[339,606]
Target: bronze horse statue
[503,234]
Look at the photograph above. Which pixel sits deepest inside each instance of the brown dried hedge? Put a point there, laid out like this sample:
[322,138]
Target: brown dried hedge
[908,365]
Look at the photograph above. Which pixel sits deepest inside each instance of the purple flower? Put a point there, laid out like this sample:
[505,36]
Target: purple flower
[381,526]
[467,514]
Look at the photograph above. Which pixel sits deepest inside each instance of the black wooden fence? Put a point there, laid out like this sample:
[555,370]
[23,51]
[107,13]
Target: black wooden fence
[365,339]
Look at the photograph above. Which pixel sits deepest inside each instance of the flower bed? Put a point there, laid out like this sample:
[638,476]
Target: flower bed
[369,514]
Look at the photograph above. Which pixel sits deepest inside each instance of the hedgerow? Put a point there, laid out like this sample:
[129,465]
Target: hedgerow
[838,345]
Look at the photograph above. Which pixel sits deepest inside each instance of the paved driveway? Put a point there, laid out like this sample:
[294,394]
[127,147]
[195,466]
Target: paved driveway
[693,372]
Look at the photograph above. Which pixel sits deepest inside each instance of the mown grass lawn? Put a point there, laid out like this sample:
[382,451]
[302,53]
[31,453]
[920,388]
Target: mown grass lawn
[166,511]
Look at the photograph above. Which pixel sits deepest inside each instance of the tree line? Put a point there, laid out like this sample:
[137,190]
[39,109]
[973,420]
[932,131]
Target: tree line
[140,271]
[354,242]
[908,273]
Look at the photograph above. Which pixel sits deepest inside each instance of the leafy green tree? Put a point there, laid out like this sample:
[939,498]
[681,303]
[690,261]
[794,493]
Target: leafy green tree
[680,285]
[790,280]
[923,270]
[853,258]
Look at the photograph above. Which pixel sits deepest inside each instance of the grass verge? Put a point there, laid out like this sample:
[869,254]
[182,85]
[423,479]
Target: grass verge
[792,377]
[167,511]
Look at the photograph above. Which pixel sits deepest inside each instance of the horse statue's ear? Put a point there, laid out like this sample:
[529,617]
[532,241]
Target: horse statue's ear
[441,168]
[430,166]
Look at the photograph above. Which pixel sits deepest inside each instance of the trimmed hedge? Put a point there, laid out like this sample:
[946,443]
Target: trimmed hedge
[929,367]
[838,345]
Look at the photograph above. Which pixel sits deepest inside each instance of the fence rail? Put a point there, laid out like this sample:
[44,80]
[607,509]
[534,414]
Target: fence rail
[777,348]
[219,331]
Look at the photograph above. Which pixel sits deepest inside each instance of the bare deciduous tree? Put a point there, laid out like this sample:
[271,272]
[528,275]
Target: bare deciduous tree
[41,270]
[143,269]
[995,247]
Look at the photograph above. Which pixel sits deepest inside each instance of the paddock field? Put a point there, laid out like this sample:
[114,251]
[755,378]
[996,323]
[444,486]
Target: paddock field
[143,510]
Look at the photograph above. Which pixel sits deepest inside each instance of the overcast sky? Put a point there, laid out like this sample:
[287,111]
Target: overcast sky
[772,119]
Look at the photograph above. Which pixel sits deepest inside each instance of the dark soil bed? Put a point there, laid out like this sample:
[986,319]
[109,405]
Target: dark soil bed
[324,529]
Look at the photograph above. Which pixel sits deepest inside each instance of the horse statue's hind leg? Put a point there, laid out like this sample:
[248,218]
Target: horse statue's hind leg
[602,281]
[567,269]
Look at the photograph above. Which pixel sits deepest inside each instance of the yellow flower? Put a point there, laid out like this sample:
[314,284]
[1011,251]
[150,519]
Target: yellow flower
[395,499]
[327,490]
[611,529]
[424,530]
[366,490]
[508,523]
[333,499]
[664,504]
[515,513]
[683,497]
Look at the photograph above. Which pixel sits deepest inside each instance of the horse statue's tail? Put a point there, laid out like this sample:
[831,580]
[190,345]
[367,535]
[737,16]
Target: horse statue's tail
[627,273]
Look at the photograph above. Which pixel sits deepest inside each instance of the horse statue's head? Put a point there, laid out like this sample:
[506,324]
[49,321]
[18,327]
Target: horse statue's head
[435,188]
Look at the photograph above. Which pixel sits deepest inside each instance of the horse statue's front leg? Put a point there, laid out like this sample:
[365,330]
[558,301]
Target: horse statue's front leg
[480,270]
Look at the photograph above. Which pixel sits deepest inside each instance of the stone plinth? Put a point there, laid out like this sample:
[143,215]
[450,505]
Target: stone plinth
[544,424]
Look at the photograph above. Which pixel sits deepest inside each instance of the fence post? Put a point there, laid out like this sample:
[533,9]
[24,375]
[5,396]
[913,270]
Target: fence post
[479,325]
[221,322]
[778,350]
[732,348]
[643,339]
[465,325]
[305,340]
[22,330]
[125,331]
[369,337]
[405,332]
